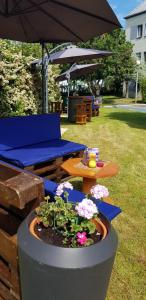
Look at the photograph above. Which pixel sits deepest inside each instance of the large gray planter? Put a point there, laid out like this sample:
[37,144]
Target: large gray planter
[53,273]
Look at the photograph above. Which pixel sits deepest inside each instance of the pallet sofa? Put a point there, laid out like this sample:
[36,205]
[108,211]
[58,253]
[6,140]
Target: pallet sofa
[34,143]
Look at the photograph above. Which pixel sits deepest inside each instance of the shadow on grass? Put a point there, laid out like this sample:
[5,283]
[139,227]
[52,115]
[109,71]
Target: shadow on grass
[133,119]
[110,100]
[64,121]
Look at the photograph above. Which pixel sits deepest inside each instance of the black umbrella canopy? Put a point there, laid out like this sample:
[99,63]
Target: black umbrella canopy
[71,54]
[77,70]
[55,20]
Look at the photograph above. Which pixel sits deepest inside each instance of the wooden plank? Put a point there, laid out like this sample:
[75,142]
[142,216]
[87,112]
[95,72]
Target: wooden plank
[14,296]
[4,292]
[45,169]
[17,188]
[5,273]
[14,277]
[8,249]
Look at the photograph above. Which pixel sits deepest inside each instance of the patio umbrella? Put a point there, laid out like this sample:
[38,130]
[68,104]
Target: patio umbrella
[71,54]
[77,71]
[55,21]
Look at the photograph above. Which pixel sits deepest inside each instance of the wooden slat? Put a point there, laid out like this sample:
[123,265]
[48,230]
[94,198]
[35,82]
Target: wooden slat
[5,274]
[14,296]
[8,249]
[45,169]
[4,292]
[14,277]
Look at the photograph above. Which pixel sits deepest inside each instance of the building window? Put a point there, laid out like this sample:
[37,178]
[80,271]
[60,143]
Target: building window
[145,58]
[139,31]
[138,55]
[145,29]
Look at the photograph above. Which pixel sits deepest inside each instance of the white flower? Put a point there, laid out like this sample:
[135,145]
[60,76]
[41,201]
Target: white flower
[99,191]
[62,186]
[86,209]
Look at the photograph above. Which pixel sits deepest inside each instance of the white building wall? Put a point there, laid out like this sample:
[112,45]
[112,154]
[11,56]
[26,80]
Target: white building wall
[131,34]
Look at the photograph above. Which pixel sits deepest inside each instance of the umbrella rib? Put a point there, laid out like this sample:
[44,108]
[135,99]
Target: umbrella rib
[83,12]
[56,20]
[23,28]
[15,6]
[27,20]
[28,9]
[33,28]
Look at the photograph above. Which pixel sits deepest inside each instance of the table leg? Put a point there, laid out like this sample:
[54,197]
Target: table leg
[87,184]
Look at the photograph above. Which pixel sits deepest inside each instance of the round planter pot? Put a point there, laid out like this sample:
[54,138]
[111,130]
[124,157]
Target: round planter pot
[49,272]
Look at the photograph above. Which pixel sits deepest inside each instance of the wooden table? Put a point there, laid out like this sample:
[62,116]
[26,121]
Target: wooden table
[75,167]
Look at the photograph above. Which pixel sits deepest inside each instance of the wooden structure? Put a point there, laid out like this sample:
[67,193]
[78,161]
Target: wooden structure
[56,106]
[72,107]
[81,115]
[20,192]
[88,103]
[75,167]
[52,169]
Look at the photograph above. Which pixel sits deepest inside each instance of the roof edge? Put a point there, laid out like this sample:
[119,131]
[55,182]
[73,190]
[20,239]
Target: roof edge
[136,14]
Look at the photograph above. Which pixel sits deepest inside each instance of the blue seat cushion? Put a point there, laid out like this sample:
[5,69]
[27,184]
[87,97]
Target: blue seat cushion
[108,210]
[38,153]
[20,131]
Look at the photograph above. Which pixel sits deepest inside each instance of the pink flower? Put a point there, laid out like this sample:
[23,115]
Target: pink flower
[62,186]
[99,191]
[81,238]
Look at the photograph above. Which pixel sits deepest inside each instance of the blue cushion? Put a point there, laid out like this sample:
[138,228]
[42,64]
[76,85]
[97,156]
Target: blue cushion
[27,130]
[108,210]
[42,152]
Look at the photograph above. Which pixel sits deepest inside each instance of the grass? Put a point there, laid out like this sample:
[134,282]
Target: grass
[113,100]
[121,137]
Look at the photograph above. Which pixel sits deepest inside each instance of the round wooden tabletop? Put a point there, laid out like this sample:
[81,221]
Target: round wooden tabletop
[75,167]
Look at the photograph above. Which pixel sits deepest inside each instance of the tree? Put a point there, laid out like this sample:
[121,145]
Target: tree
[117,68]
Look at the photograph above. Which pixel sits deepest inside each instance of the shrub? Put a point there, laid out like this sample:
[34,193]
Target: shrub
[143,89]
[20,86]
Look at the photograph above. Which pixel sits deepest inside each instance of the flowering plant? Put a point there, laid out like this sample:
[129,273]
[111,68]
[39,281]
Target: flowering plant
[99,191]
[73,223]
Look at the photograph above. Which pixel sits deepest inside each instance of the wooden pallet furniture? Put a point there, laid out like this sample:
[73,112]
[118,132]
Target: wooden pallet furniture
[52,169]
[20,192]
[88,104]
[81,114]
[56,106]
[72,107]
[35,143]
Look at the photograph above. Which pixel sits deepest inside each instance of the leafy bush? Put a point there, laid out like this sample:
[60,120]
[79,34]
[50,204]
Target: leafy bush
[143,89]
[20,86]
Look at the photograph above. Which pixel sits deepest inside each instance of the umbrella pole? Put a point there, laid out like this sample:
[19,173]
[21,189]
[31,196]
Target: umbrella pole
[44,81]
[68,90]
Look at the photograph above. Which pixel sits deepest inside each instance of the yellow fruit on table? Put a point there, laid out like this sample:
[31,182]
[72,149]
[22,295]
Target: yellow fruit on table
[92,163]
[92,160]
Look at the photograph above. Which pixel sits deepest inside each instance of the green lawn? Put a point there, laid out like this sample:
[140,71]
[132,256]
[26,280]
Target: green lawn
[113,100]
[121,137]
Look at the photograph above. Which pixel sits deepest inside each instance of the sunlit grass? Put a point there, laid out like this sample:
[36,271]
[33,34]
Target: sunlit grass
[121,137]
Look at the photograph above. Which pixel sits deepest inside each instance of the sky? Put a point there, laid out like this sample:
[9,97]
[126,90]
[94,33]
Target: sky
[123,7]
